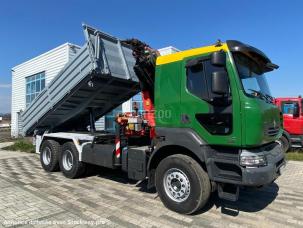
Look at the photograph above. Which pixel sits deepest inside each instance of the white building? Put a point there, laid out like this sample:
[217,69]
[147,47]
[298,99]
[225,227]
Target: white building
[30,77]
[168,50]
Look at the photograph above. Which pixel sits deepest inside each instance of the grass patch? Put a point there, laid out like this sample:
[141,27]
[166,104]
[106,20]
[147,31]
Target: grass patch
[295,155]
[21,145]
[5,135]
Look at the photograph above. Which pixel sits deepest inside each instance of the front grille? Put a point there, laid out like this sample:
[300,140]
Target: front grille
[272,131]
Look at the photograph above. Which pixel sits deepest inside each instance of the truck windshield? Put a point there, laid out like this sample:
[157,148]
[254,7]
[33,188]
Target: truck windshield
[289,107]
[252,77]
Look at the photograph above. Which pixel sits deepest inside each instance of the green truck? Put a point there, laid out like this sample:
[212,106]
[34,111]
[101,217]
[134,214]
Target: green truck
[223,129]
[210,123]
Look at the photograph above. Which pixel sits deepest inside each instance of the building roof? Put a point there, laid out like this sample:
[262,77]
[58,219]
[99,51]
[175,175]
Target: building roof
[169,49]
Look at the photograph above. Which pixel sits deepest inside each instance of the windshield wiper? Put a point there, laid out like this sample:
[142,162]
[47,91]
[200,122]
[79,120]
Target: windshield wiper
[263,96]
[257,93]
[270,98]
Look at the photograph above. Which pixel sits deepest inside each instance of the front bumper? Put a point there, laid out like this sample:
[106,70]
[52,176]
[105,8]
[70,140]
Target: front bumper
[225,167]
[258,176]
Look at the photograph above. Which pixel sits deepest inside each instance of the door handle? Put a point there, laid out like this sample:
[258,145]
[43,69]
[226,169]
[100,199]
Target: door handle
[185,119]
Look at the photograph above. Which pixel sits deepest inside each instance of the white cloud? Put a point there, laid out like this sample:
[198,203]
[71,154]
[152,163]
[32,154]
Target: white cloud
[5,85]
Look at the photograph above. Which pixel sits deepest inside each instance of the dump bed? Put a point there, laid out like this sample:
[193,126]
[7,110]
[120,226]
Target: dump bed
[100,77]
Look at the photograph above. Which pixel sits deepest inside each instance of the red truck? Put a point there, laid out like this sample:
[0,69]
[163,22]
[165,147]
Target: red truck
[292,111]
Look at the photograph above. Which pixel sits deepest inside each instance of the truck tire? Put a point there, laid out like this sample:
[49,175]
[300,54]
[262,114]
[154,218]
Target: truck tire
[182,184]
[285,143]
[69,162]
[49,155]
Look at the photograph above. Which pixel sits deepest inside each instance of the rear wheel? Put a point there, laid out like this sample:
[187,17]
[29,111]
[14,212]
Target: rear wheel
[69,161]
[285,143]
[49,155]
[182,184]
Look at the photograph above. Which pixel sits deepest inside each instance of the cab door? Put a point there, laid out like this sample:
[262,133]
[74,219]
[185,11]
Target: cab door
[215,117]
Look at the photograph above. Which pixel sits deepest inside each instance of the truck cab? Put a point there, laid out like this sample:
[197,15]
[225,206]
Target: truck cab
[221,93]
[292,111]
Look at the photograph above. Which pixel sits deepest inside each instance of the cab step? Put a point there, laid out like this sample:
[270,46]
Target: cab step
[228,192]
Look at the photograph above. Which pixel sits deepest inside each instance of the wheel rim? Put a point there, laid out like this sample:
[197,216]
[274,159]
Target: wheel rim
[46,156]
[67,160]
[176,185]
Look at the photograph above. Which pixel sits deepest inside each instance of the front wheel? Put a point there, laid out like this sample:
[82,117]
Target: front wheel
[182,184]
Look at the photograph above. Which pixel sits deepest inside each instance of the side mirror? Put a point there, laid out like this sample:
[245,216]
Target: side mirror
[220,83]
[218,58]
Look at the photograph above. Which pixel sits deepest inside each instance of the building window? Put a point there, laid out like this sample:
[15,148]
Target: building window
[34,85]
[110,119]
[137,102]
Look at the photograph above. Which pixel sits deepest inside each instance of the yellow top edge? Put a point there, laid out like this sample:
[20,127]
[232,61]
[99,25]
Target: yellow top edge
[187,53]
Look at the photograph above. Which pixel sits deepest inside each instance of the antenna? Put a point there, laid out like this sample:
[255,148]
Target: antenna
[218,43]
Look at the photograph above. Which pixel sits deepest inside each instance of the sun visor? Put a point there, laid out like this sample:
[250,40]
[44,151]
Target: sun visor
[253,53]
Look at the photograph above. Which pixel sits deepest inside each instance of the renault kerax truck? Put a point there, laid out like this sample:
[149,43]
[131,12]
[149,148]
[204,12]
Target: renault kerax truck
[208,125]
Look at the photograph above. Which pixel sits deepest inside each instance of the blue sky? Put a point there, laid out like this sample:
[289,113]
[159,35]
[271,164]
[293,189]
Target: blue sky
[31,27]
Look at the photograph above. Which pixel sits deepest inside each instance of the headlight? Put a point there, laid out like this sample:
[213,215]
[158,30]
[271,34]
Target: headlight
[252,160]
